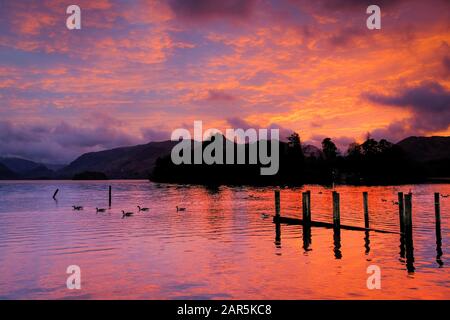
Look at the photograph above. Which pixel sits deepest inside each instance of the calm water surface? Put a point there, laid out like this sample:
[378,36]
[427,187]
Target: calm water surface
[221,247]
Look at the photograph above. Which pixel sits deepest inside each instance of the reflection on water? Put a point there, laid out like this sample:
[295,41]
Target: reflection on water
[221,246]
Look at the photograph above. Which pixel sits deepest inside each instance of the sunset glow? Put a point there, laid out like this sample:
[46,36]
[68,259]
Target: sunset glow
[138,70]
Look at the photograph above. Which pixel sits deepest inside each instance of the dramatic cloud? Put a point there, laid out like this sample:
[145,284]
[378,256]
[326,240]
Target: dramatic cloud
[210,9]
[60,143]
[428,103]
[152,65]
[219,95]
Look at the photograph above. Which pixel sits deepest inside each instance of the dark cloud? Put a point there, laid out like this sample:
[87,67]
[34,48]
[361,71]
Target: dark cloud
[358,4]
[219,95]
[212,9]
[155,135]
[429,104]
[446,65]
[59,143]
[346,36]
[238,123]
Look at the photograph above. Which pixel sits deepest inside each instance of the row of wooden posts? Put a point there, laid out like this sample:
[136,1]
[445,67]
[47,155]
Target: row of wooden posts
[404,205]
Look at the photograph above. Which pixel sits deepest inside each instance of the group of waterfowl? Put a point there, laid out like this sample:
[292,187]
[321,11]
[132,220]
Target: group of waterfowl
[124,213]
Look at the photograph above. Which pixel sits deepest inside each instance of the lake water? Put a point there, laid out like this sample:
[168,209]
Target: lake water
[221,247]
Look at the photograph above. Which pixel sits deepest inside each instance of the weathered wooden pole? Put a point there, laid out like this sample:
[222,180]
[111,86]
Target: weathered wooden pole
[409,233]
[401,210]
[366,209]
[109,196]
[54,195]
[408,216]
[437,208]
[336,210]
[306,206]
[277,204]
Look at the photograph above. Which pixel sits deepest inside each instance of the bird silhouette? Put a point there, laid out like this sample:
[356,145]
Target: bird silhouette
[126,214]
[77,208]
[142,209]
[100,210]
[180,209]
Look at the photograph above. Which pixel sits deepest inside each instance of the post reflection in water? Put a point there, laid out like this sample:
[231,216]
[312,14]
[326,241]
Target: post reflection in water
[402,247]
[337,243]
[439,245]
[278,235]
[306,238]
[367,242]
[409,253]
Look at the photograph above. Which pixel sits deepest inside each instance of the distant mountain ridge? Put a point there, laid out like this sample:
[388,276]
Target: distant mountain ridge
[26,169]
[423,149]
[137,162]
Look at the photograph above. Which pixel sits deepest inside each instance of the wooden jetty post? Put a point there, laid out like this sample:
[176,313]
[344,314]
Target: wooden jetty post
[408,216]
[401,211]
[366,209]
[306,206]
[54,195]
[277,205]
[437,208]
[409,233]
[110,196]
[336,211]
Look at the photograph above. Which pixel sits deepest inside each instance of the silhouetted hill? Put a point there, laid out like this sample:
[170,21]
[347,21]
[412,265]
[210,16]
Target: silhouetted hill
[423,149]
[19,165]
[135,162]
[27,169]
[6,174]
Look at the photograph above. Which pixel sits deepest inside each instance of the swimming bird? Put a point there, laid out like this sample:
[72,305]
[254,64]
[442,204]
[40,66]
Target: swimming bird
[265,215]
[126,214]
[384,200]
[180,209]
[77,207]
[394,202]
[142,209]
[445,195]
[100,210]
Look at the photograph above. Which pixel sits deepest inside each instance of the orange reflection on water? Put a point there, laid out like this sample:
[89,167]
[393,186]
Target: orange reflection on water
[222,247]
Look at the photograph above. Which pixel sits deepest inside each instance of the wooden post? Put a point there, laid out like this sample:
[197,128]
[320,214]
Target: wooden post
[437,208]
[54,195]
[366,209]
[277,204]
[336,210]
[408,216]
[306,206]
[109,196]
[401,210]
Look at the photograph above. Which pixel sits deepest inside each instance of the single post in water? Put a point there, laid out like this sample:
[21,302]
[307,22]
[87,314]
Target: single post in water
[54,195]
[366,209]
[401,212]
[277,204]
[408,217]
[437,208]
[336,211]
[306,206]
[409,233]
[110,196]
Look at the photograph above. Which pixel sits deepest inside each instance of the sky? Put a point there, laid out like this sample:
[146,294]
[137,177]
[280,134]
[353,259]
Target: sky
[137,70]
